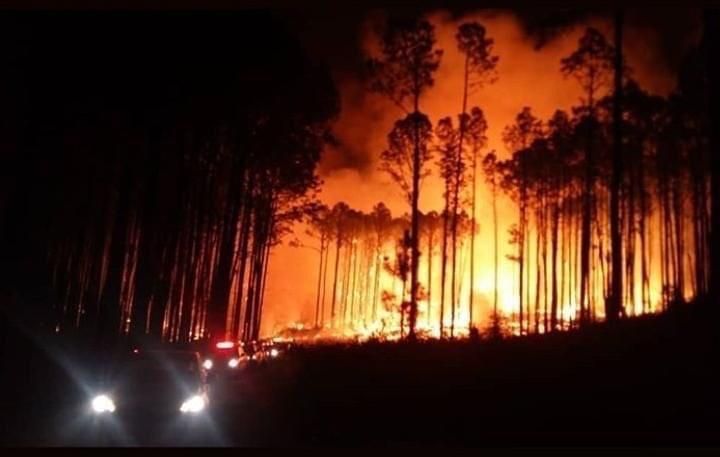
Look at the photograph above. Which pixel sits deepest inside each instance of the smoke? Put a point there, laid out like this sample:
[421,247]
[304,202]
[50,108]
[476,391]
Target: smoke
[528,75]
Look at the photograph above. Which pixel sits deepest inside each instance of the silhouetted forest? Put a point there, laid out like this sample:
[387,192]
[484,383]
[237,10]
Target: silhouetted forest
[445,226]
[149,171]
[154,175]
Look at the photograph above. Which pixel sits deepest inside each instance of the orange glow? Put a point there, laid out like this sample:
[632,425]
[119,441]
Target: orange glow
[526,77]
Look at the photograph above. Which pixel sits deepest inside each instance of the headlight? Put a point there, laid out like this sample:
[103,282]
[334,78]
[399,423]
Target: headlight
[208,364]
[194,404]
[274,352]
[103,404]
[233,363]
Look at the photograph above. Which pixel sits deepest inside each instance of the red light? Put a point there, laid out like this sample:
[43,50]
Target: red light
[225,345]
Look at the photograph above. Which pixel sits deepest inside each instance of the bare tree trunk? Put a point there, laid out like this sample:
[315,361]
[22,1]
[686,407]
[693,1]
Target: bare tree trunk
[415,225]
[521,260]
[564,260]
[667,236]
[630,239]
[495,242]
[585,232]
[244,254]
[456,198]
[698,226]
[546,315]
[324,283]
[538,282]
[472,238]
[377,281]
[644,273]
[346,282]
[429,280]
[354,287]
[664,266]
[443,269]
[335,278]
[679,238]
[319,282]
[554,242]
[528,267]
[614,305]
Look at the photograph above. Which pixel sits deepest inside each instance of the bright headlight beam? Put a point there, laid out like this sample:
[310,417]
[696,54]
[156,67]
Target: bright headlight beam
[194,404]
[233,363]
[103,404]
[274,352]
[207,364]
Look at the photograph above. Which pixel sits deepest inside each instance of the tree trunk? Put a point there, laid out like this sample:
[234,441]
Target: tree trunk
[456,199]
[472,240]
[521,261]
[319,282]
[377,281]
[538,266]
[585,231]
[679,238]
[495,242]
[614,305]
[443,269]
[324,284]
[554,242]
[429,262]
[415,223]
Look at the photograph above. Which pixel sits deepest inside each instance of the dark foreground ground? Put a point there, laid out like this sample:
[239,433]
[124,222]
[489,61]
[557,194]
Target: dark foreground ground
[648,381]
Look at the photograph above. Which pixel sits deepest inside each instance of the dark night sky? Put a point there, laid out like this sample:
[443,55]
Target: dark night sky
[331,34]
[146,60]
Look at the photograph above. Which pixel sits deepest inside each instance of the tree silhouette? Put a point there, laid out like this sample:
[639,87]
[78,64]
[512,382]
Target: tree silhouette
[430,223]
[591,65]
[404,160]
[448,164]
[405,71]
[321,228]
[490,169]
[398,159]
[173,235]
[518,138]
[614,305]
[381,219]
[479,69]
[476,128]
[338,217]
[153,209]
[561,159]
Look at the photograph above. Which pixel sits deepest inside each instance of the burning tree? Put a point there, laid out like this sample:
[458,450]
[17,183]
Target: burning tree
[491,171]
[591,65]
[475,126]
[430,224]
[404,160]
[518,137]
[404,72]
[479,69]
[450,169]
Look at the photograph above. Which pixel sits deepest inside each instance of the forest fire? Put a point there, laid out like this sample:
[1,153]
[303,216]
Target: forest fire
[647,218]
[353,226]
[479,193]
